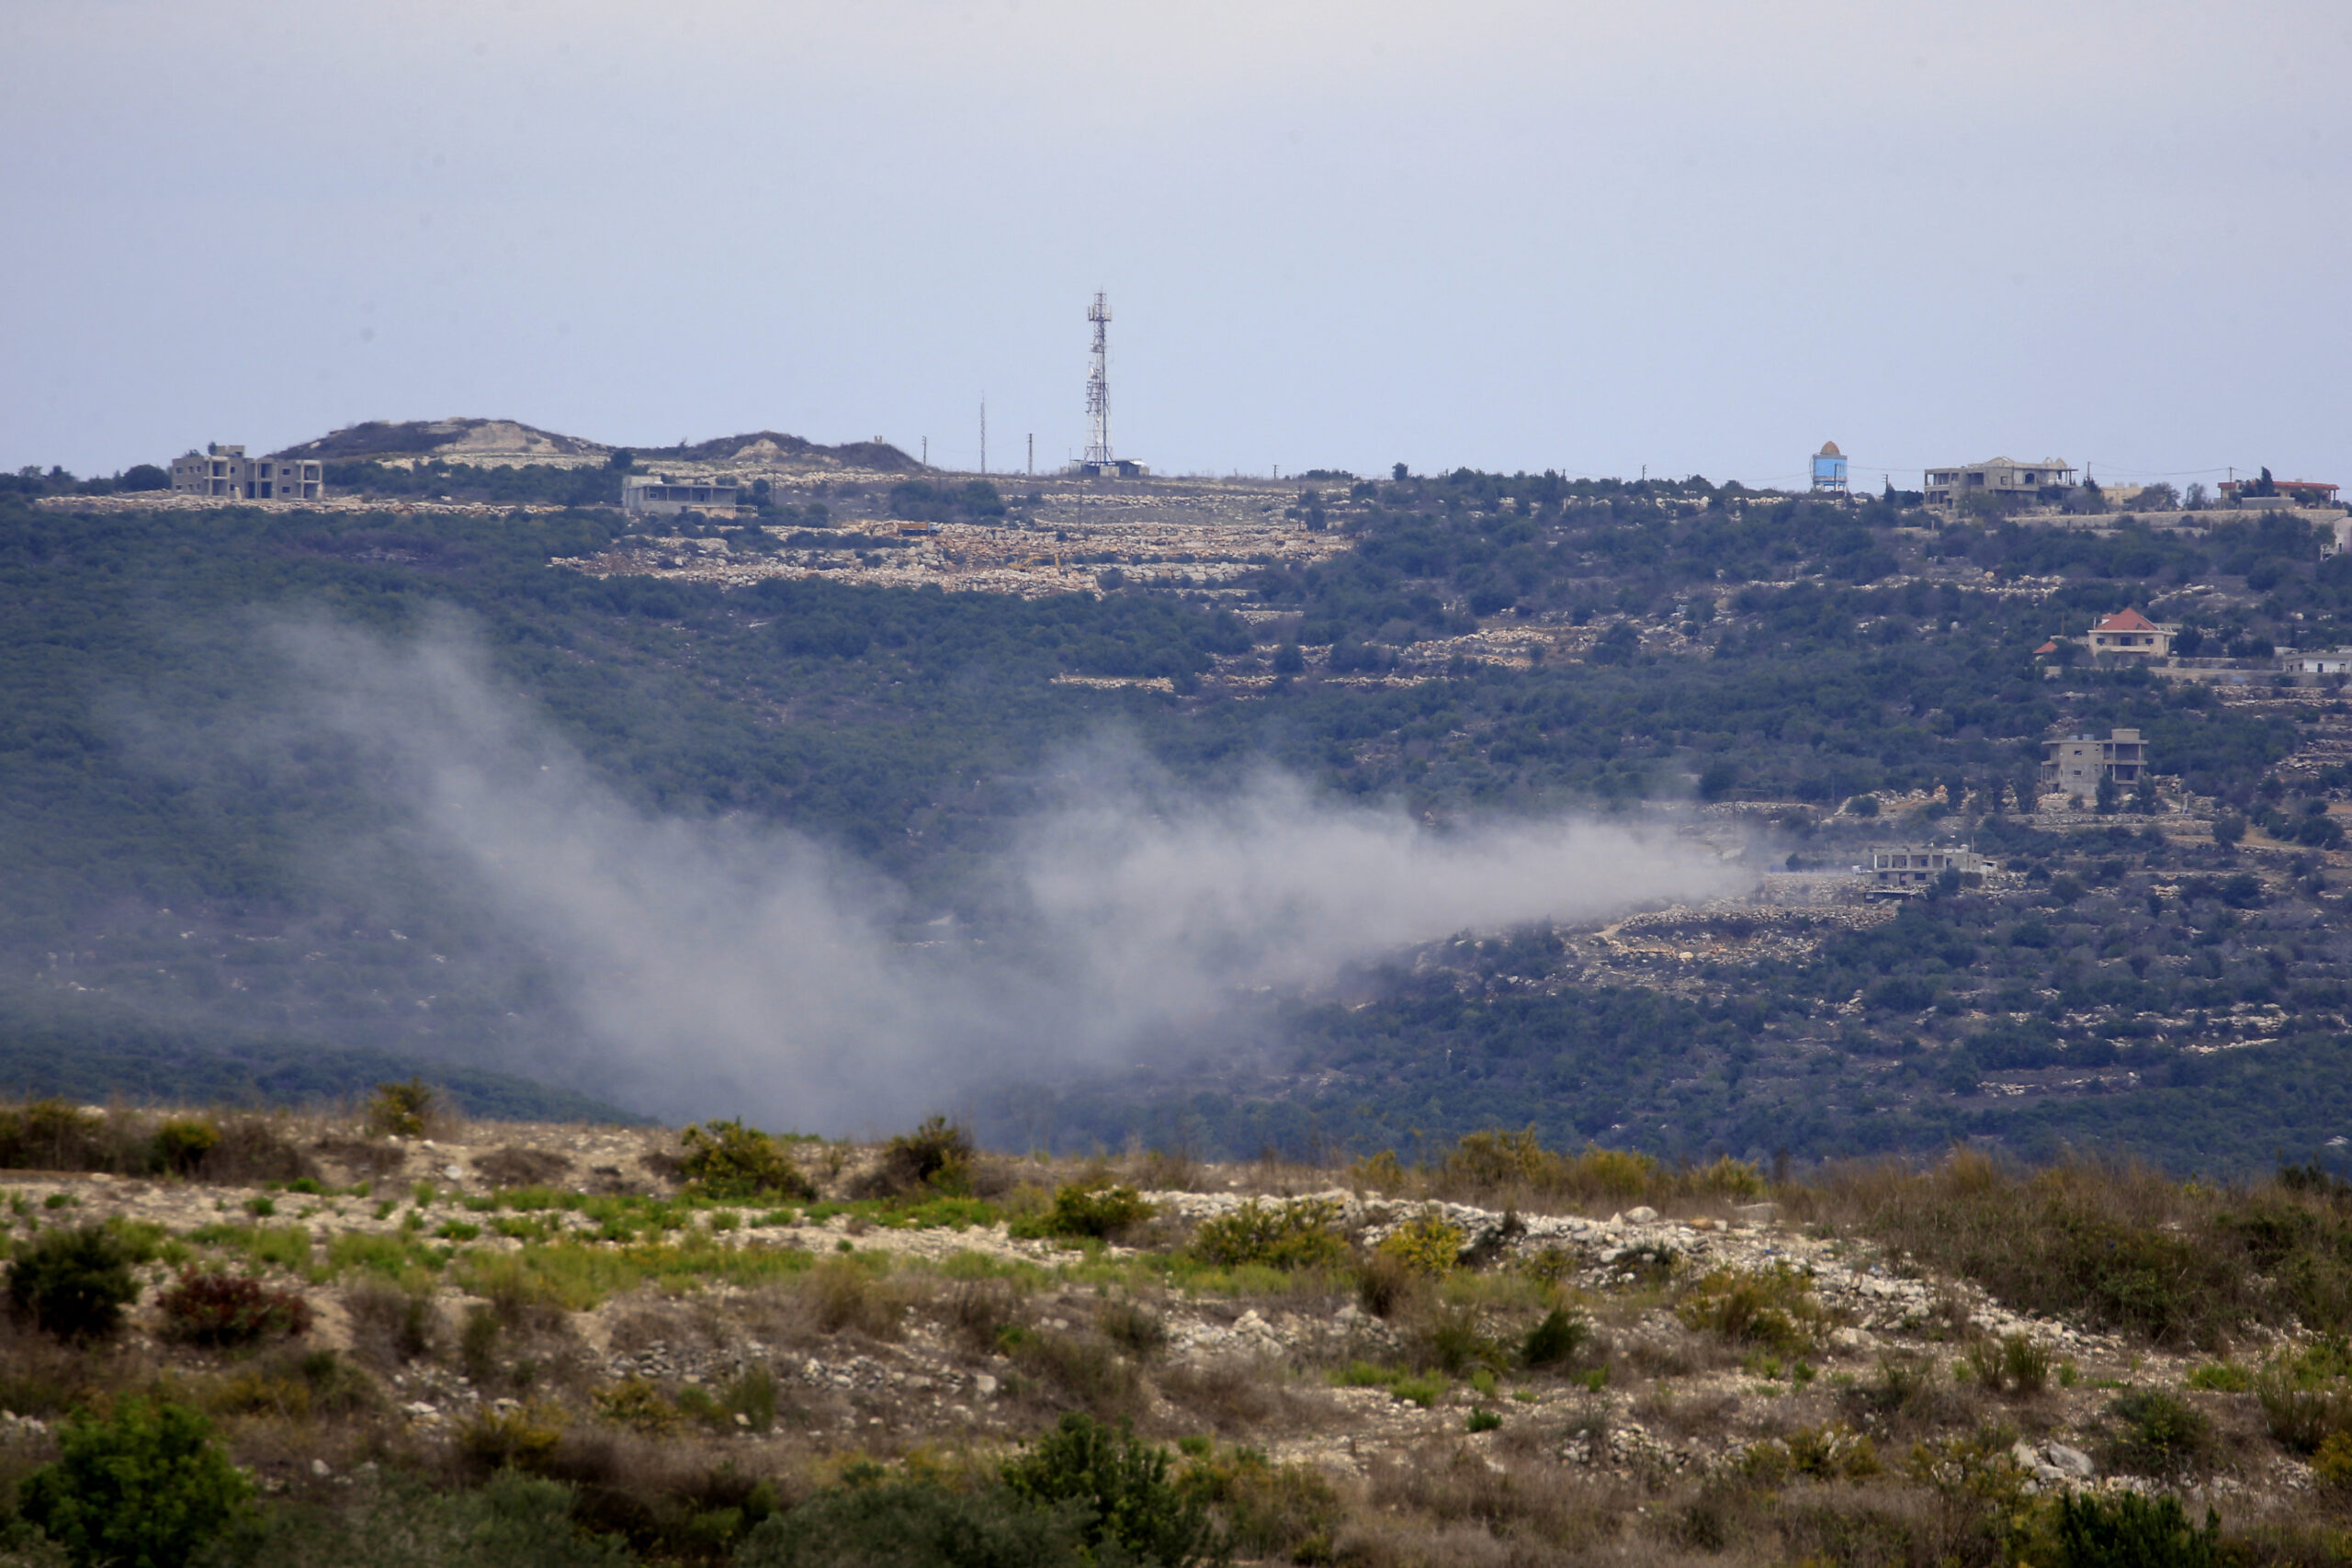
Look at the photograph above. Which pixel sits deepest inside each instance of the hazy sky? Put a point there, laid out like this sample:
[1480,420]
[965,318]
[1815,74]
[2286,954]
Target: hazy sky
[1700,235]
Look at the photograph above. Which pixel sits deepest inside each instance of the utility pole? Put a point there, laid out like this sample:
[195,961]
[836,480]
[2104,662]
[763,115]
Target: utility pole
[984,433]
[1033,454]
[926,451]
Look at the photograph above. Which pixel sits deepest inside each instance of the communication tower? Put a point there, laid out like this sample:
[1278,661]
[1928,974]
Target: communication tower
[1098,390]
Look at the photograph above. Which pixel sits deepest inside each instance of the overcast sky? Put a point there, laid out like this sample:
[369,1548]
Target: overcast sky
[1699,235]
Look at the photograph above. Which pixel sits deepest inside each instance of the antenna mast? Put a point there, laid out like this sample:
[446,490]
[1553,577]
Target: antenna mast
[1098,388]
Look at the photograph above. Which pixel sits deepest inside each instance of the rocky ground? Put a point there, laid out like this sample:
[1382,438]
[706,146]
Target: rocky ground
[493,1280]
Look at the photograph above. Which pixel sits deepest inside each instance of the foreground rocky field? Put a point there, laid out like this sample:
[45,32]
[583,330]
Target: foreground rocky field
[604,1345]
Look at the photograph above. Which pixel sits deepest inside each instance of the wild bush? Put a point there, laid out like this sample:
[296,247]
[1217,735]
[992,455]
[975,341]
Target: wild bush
[1089,1209]
[1081,1369]
[1832,1452]
[2124,1529]
[2121,1246]
[1428,1242]
[1772,1308]
[143,1485]
[2156,1433]
[181,1142]
[2307,1397]
[1277,1511]
[727,1159]
[1121,1490]
[1300,1234]
[74,1281]
[1132,1327]
[935,1157]
[1555,1341]
[916,1524]
[524,1438]
[403,1109]
[2013,1364]
[636,1404]
[211,1308]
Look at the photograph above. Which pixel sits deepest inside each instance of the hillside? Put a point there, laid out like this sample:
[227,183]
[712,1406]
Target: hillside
[190,838]
[491,443]
[464,1343]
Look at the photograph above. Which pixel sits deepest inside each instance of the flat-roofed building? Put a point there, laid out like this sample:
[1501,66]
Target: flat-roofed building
[659,497]
[1907,872]
[2075,765]
[1998,476]
[224,470]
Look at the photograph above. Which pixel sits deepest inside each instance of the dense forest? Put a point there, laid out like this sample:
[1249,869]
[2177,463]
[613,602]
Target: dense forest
[1724,646]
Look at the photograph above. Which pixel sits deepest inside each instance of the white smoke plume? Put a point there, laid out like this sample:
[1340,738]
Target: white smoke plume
[720,968]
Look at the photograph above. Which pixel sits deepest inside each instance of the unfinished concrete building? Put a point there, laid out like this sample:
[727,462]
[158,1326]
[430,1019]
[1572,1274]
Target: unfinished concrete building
[1908,871]
[2075,764]
[643,497]
[1997,476]
[223,470]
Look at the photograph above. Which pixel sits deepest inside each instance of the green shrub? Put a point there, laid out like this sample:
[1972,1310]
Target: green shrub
[2332,1465]
[2012,1364]
[1428,1242]
[1120,1487]
[915,1524]
[2221,1377]
[1772,1308]
[1133,1327]
[50,1135]
[1555,1341]
[1279,1512]
[143,1487]
[1301,1233]
[2307,1397]
[401,1110]
[2126,1530]
[74,1281]
[1483,1421]
[934,1157]
[1455,1343]
[2158,1434]
[727,1159]
[182,1141]
[1093,1209]
[208,1307]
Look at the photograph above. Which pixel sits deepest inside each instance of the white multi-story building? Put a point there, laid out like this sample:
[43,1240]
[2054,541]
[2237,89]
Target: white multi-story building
[225,470]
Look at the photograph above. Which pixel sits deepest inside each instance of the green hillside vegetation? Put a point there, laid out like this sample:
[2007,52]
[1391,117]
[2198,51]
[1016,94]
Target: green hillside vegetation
[1741,648]
[1508,1351]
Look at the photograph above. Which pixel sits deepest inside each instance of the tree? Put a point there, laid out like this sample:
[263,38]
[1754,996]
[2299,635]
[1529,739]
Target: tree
[1288,659]
[2106,795]
[142,1488]
[2228,829]
[144,475]
[74,1282]
[622,459]
[2143,794]
[2197,497]
[1400,473]
[1123,1485]
[2266,485]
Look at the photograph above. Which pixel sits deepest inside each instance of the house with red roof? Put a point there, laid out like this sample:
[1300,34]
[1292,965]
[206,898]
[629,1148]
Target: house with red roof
[2130,634]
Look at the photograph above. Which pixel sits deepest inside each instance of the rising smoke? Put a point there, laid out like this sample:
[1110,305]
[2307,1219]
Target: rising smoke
[714,968]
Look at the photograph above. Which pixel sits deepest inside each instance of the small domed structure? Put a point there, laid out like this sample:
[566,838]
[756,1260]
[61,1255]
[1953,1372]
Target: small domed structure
[1829,471]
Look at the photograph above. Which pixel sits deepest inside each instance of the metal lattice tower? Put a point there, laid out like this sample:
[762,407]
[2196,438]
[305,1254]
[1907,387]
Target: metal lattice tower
[1098,388]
